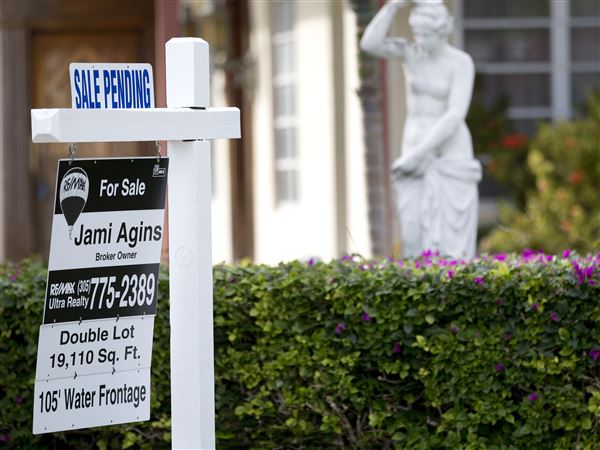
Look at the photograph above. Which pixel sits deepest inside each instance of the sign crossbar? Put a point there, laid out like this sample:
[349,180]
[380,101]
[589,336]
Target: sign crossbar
[127,125]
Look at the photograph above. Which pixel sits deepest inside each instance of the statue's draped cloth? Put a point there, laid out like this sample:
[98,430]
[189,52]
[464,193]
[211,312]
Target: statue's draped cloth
[444,200]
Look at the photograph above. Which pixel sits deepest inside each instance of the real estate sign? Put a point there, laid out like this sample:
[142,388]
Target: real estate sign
[95,342]
[111,86]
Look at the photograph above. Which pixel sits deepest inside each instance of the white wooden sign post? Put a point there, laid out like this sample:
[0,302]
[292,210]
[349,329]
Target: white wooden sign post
[187,124]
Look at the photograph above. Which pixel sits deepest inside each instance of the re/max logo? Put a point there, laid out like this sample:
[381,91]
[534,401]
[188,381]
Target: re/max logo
[62,288]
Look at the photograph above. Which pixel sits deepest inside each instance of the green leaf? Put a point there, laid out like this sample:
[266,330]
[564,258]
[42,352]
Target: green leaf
[563,333]
[586,423]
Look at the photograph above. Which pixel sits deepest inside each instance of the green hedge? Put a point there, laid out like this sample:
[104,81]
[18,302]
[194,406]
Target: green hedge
[499,353]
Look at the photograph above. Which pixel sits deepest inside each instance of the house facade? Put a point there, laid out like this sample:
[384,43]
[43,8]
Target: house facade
[321,184]
[321,122]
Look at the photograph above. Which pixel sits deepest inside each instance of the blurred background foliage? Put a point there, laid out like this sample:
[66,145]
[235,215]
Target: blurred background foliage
[501,150]
[560,205]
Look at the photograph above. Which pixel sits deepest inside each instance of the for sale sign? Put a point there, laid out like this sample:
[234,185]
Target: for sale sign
[95,344]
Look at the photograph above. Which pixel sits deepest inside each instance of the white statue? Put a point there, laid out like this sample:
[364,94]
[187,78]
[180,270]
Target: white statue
[436,177]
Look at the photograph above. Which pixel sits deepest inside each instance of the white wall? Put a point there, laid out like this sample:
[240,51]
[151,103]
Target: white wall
[309,228]
[357,225]
[302,230]
[222,247]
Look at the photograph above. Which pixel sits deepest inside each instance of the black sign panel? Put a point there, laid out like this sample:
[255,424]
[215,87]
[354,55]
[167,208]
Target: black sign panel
[103,292]
[106,239]
[115,184]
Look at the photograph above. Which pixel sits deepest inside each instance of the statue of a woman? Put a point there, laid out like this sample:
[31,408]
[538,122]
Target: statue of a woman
[436,177]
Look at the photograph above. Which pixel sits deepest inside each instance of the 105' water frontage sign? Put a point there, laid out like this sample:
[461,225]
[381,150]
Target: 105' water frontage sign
[95,344]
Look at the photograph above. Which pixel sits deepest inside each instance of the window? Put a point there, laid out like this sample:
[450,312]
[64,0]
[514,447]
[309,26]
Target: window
[543,56]
[284,102]
[585,51]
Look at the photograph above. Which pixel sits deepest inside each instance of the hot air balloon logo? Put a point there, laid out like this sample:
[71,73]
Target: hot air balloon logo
[74,189]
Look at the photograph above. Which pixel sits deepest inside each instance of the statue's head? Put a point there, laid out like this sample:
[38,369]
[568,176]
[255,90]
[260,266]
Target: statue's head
[431,23]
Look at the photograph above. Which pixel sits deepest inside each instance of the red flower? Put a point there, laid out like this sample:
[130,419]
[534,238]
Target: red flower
[570,143]
[514,141]
[576,177]
[566,226]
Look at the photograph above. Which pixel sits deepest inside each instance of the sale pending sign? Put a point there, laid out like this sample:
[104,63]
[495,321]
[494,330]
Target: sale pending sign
[111,86]
[95,344]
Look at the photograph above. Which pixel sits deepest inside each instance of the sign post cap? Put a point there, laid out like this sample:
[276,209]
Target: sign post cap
[187,64]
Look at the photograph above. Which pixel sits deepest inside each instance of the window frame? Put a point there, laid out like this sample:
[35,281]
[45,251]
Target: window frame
[560,67]
[285,161]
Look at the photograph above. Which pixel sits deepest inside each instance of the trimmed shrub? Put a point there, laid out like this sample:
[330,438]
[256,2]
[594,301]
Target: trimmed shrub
[499,353]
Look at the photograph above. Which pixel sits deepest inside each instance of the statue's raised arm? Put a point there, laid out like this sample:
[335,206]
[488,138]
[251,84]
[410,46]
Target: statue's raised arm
[436,176]
[375,39]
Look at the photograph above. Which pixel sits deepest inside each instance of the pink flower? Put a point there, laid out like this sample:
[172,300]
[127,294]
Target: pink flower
[453,329]
[534,307]
[500,367]
[528,254]
[311,262]
[594,354]
[340,327]
[450,274]
[532,397]
[500,257]
[566,254]
[18,399]
[365,316]
[397,348]
[478,281]
[554,316]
